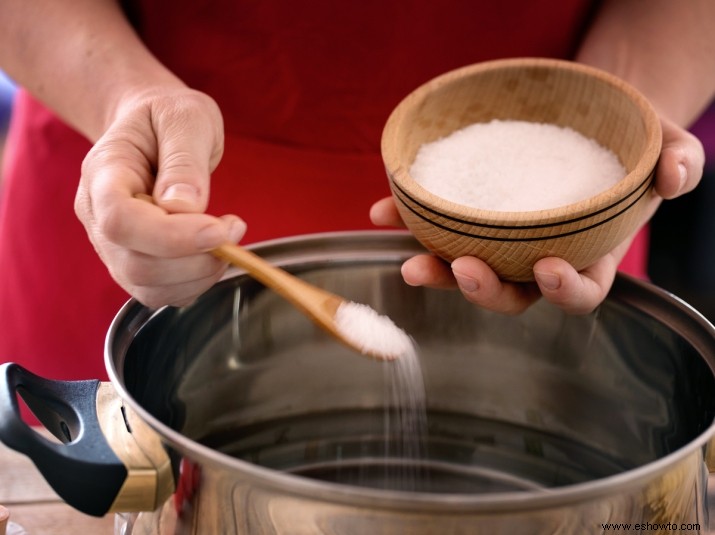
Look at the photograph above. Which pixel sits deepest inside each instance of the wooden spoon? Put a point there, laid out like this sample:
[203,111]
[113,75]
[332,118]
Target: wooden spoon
[324,308]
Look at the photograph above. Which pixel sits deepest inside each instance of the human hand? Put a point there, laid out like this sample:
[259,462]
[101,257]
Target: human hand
[165,144]
[679,170]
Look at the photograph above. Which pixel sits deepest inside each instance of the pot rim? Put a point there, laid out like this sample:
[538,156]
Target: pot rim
[640,291]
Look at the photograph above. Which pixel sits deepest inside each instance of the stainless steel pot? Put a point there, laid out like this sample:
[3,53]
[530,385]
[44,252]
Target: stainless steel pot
[252,421]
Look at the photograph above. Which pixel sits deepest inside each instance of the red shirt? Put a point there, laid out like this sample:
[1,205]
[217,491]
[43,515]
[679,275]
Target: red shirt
[305,89]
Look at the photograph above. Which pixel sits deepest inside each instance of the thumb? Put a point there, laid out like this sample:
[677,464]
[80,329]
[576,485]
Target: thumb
[183,196]
[681,162]
[187,154]
[182,179]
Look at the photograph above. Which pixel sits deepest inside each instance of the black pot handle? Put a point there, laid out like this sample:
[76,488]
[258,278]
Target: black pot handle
[83,469]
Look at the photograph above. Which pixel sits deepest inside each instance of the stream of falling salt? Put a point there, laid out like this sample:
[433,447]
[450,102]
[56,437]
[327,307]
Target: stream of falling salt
[405,423]
[405,412]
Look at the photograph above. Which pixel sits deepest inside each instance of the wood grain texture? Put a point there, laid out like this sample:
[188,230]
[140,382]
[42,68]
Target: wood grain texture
[33,504]
[59,519]
[596,104]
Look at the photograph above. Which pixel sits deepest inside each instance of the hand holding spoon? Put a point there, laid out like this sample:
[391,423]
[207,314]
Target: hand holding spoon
[355,325]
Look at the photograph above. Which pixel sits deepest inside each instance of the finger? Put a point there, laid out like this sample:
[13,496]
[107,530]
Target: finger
[574,292]
[236,227]
[142,270]
[180,294]
[146,228]
[480,285]
[429,271]
[681,162]
[156,281]
[384,214]
[190,144]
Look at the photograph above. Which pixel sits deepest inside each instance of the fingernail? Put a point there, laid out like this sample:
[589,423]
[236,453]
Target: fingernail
[466,284]
[683,174]
[237,230]
[185,193]
[210,237]
[550,281]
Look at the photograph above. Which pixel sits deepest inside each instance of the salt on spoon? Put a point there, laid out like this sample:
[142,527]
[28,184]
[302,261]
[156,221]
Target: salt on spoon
[357,326]
[373,333]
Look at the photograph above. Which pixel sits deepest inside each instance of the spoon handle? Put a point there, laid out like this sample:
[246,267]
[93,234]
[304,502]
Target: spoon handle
[319,304]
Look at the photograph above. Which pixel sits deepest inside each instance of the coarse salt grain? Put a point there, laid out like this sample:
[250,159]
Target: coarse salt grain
[373,333]
[515,166]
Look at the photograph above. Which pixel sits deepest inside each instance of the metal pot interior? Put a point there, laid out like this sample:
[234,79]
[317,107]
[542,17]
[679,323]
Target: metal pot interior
[514,404]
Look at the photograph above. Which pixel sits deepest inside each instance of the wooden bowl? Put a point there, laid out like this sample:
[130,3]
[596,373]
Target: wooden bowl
[598,105]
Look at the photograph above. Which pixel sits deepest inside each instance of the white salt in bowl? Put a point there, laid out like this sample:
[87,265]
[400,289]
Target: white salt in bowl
[597,105]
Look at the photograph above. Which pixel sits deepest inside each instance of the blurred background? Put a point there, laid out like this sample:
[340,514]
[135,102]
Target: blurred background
[7,91]
[682,258]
